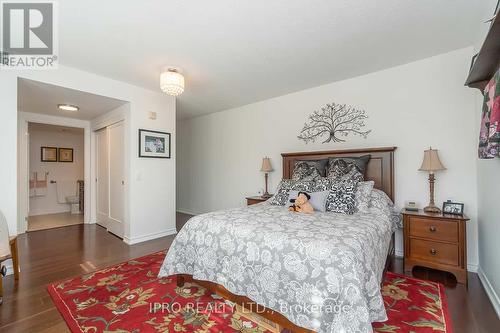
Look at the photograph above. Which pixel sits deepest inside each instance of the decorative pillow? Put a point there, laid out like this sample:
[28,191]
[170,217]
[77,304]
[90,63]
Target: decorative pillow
[281,194]
[379,200]
[347,168]
[318,199]
[280,197]
[303,185]
[309,170]
[342,197]
[363,191]
[322,184]
[380,203]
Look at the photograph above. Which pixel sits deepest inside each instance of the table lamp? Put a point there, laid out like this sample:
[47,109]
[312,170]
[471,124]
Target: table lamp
[431,164]
[266,168]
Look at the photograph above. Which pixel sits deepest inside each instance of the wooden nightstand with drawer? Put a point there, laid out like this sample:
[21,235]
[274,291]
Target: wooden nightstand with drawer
[255,200]
[436,241]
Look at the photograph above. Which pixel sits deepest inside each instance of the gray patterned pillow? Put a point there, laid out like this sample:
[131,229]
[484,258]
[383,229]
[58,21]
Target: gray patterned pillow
[322,184]
[342,196]
[363,191]
[303,185]
[309,170]
[281,194]
[382,204]
[280,197]
[347,168]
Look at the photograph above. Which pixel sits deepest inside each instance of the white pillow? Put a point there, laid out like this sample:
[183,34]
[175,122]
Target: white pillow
[363,192]
[318,199]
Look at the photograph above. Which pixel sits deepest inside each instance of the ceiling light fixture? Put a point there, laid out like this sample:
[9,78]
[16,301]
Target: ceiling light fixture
[68,107]
[172,82]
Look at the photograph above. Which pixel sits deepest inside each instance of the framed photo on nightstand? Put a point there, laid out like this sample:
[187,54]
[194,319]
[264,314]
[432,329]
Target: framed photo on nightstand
[455,208]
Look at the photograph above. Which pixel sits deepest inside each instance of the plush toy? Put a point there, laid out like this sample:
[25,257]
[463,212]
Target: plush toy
[301,204]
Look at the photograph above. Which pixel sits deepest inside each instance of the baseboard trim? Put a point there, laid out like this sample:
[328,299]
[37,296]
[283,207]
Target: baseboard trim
[144,238]
[472,268]
[494,299]
[50,212]
[186,211]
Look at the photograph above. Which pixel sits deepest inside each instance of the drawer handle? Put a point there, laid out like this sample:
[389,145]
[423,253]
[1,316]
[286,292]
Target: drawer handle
[433,252]
[432,228]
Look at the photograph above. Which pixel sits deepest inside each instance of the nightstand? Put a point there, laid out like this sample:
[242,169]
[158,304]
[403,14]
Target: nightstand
[436,241]
[255,200]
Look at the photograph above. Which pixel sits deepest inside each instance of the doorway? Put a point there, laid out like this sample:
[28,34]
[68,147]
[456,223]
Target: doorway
[56,176]
[39,106]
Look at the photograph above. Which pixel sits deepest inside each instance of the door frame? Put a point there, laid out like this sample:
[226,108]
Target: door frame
[23,162]
[97,160]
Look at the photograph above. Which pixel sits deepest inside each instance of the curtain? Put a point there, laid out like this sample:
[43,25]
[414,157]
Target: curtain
[489,138]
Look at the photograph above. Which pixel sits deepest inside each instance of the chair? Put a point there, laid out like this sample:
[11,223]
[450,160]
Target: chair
[8,250]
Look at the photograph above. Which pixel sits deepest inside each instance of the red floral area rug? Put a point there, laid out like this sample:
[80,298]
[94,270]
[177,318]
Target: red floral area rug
[413,305]
[129,297]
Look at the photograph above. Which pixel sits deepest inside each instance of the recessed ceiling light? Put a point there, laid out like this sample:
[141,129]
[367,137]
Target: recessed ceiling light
[68,107]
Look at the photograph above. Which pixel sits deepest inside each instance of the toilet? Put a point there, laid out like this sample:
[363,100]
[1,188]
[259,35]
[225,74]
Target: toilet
[67,193]
[74,202]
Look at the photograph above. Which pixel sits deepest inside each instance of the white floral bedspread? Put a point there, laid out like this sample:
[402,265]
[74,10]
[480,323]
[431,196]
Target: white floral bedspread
[322,271]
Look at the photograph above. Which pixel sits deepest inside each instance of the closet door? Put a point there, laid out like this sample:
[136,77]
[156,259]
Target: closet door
[102,177]
[116,153]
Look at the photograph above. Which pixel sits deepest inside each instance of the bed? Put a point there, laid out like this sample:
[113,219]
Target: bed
[308,273]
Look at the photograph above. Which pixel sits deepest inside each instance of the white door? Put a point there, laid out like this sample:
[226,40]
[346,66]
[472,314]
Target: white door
[102,177]
[116,152]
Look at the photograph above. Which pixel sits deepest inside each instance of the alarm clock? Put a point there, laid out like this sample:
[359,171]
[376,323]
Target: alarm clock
[411,206]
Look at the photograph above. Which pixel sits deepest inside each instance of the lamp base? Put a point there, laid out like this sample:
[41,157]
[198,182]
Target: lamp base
[432,209]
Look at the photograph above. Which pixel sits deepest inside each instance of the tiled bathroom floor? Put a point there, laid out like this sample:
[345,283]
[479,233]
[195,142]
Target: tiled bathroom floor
[49,221]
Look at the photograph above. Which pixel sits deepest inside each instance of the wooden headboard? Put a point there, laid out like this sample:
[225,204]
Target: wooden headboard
[380,167]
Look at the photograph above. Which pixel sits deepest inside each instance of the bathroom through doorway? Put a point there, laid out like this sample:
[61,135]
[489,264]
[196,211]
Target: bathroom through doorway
[56,176]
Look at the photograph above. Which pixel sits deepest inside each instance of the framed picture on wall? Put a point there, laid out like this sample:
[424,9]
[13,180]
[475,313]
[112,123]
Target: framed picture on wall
[65,154]
[154,144]
[48,154]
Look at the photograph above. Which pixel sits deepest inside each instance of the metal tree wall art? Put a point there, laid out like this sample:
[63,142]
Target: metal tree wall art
[335,121]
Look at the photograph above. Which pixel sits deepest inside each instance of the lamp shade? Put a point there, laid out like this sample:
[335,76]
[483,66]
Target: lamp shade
[266,165]
[172,82]
[431,161]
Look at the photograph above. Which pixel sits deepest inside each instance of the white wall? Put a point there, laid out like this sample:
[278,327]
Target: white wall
[152,181]
[488,172]
[413,106]
[58,171]
[489,227]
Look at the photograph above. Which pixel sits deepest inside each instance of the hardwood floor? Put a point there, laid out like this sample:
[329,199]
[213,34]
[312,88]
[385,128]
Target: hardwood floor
[50,255]
[470,308]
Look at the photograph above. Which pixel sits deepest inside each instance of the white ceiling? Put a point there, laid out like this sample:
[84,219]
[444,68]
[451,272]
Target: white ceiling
[235,52]
[38,97]
[54,128]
